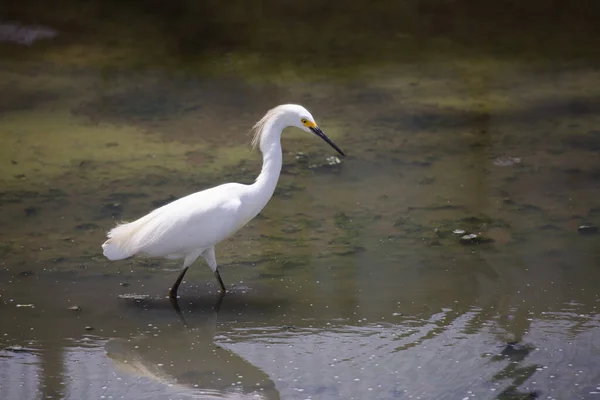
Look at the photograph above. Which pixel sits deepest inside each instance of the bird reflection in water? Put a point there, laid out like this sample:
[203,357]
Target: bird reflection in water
[185,357]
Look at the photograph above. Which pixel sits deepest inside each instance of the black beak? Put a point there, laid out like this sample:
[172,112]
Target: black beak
[317,131]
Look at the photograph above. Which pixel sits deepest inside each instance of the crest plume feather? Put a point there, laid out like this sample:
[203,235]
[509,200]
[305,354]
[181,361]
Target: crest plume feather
[259,128]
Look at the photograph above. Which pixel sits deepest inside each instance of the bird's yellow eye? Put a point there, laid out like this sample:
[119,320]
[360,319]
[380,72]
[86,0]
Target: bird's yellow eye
[307,123]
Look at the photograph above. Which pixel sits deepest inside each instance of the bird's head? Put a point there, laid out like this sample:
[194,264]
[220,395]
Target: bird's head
[300,117]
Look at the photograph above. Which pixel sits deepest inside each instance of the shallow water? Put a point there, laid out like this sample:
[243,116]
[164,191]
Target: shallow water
[356,281]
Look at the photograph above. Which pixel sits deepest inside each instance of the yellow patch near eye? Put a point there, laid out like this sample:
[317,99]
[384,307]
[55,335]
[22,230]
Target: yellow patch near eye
[309,124]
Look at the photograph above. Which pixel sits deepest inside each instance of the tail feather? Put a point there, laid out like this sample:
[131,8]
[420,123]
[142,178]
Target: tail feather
[127,239]
[118,247]
[113,252]
[122,241]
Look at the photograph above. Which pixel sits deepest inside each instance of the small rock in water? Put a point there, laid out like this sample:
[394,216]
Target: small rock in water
[587,229]
[288,328]
[124,284]
[333,160]
[506,161]
[89,328]
[74,308]
[513,346]
[17,348]
[467,239]
[133,296]
[515,351]
[474,238]
[459,231]
[329,162]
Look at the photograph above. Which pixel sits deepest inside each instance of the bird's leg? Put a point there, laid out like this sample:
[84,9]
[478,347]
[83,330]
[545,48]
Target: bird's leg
[189,260]
[217,305]
[177,309]
[218,276]
[173,291]
[211,260]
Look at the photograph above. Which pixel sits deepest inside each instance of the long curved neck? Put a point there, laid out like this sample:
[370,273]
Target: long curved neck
[271,168]
[270,146]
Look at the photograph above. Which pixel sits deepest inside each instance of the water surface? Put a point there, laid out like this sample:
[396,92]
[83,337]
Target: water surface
[356,281]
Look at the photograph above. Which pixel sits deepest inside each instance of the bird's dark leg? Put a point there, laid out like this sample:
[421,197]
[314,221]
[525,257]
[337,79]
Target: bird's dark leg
[218,276]
[211,260]
[175,305]
[173,291]
[217,305]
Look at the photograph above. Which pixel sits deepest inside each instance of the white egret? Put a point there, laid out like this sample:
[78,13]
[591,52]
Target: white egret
[190,227]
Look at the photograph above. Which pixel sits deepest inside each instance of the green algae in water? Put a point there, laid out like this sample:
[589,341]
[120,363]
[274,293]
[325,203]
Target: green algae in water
[43,146]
